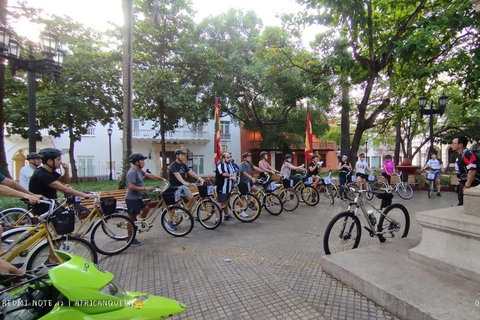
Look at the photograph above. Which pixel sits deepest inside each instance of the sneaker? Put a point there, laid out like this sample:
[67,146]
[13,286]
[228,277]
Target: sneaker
[217,220]
[228,217]
[171,226]
[244,215]
[135,243]
[439,194]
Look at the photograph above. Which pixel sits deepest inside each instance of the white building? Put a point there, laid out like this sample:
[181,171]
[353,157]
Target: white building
[92,152]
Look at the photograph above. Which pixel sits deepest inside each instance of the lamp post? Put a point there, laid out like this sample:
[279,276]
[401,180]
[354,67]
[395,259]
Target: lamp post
[110,131]
[422,103]
[51,63]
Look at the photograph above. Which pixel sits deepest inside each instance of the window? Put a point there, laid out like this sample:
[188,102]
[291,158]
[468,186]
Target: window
[85,166]
[90,132]
[225,127]
[375,162]
[136,125]
[197,127]
[198,164]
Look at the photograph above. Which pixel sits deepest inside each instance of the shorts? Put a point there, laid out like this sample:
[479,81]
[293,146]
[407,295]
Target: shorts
[135,206]
[184,191]
[222,197]
[363,175]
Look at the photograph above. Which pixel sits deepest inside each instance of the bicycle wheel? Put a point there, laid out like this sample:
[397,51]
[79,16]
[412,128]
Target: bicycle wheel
[209,214]
[177,221]
[113,234]
[81,212]
[42,257]
[11,217]
[272,204]
[394,222]
[404,190]
[430,189]
[343,233]
[309,195]
[348,193]
[330,193]
[246,207]
[9,244]
[289,199]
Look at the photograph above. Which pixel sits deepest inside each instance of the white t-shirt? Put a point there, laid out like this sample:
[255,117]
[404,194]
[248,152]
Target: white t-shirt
[25,174]
[435,164]
[361,166]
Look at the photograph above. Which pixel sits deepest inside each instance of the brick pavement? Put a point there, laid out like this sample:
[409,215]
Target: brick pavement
[274,271]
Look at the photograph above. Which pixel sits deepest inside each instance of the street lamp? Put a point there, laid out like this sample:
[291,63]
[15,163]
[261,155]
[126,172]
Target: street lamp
[422,103]
[110,131]
[51,63]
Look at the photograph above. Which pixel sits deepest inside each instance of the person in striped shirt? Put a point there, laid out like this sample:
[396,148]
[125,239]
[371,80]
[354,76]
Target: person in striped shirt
[224,179]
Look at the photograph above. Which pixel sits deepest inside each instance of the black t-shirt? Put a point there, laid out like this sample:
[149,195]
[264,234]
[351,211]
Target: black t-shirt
[180,168]
[314,172]
[344,170]
[39,184]
[465,162]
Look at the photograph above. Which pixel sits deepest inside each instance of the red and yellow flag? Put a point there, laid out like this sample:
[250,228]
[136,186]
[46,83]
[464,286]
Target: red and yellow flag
[308,138]
[217,149]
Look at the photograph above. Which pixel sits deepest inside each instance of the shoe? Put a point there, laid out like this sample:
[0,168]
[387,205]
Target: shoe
[135,243]
[228,217]
[244,215]
[171,226]
[439,194]
[217,220]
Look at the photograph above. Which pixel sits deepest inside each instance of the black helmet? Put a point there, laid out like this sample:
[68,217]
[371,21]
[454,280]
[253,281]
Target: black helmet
[49,153]
[262,154]
[134,157]
[288,156]
[179,151]
[33,155]
[246,154]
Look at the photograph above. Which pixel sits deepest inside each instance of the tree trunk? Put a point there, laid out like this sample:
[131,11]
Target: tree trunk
[396,156]
[345,120]
[71,153]
[3,153]
[162,137]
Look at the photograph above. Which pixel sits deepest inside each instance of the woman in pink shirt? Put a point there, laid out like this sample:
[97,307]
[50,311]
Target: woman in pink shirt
[388,168]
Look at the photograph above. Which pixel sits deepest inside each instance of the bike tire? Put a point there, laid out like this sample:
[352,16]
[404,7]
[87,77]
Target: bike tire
[8,244]
[347,193]
[329,193]
[272,203]
[289,199]
[41,256]
[404,191]
[11,216]
[181,218]
[343,232]
[247,204]
[110,234]
[310,195]
[394,219]
[209,214]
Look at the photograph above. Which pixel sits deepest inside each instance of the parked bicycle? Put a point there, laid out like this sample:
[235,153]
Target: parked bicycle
[344,231]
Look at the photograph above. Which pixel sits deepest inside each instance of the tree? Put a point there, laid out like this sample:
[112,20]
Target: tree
[3,154]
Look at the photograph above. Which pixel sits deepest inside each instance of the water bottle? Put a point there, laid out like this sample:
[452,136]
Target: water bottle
[371,216]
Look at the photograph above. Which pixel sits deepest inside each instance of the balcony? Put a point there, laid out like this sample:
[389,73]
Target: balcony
[325,146]
[171,136]
[225,136]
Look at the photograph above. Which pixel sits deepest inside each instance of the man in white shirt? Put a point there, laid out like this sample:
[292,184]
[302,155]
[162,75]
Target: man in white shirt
[26,172]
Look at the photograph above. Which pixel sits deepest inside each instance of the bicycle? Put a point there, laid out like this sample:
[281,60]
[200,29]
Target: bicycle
[431,177]
[245,205]
[403,189]
[268,199]
[329,189]
[32,248]
[308,193]
[344,230]
[285,191]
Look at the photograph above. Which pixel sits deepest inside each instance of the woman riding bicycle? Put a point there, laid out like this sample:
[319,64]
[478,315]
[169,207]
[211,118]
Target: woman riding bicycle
[388,169]
[265,166]
[435,164]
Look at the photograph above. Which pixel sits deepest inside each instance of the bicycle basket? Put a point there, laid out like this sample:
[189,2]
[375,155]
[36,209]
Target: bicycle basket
[430,176]
[63,221]
[205,191]
[270,186]
[108,205]
[243,187]
[307,181]
[371,177]
[73,199]
[171,196]
[327,180]
[287,183]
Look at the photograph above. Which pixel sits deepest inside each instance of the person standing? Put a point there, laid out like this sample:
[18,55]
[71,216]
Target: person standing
[133,199]
[361,167]
[345,170]
[224,180]
[388,169]
[34,161]
[435,163]
[466,167]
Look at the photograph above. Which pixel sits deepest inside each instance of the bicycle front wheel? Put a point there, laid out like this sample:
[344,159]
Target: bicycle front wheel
[289,199]
[177,221]
[330,192]
[310,195]
[209,214]
[404,191]
[113,234]
[394,222]
[246,207]
[348,193]
[15,217]
[272,204]
[343,233]
[43,258]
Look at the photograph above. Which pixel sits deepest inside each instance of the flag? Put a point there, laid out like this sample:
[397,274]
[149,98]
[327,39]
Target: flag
[217,150]
[308,138]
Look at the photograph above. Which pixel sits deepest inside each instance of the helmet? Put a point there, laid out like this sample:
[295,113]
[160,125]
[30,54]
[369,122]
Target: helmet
[288,156]
[314,156]
[33,155]
[246,154]
[49,153]
[344,156]
[262,154]
[134,157]
[179,151]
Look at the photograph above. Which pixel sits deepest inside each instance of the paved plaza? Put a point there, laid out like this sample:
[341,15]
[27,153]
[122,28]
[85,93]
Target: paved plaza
[268,269]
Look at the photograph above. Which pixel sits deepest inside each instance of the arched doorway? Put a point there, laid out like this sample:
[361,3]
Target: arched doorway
[18,163]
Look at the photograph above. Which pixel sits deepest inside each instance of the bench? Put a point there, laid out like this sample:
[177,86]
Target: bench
[117,194]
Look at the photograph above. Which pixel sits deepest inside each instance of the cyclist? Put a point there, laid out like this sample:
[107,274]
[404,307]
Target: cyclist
[287,168]
[11,188]
[466,167]
[47,181]
[133,198]
[345,169]
[177,175]
[388,169]
[435,163]
[34,161]
[314,169]
[265,165]
[246,171]
[224,179]
[360,167]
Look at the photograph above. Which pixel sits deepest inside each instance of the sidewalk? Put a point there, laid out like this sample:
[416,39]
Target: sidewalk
[274,271]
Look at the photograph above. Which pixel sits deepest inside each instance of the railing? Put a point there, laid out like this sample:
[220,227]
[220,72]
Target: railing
[225,136]
[170,135]
[316,146]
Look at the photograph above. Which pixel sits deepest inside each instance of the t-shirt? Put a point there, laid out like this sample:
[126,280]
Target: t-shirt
[2,177]
[180,168]
[361,166]
[135,177]
[224,184]
[25,174]
[314,172]
[389,166]
[39,184]
[247,167]
[287,169]
[344,170]
[435,164]
[465,162]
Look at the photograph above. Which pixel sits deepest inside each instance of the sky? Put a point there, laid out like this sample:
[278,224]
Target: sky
[97,13]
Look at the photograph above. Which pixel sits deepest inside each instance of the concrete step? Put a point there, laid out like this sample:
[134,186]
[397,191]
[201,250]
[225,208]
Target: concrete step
[385,274]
